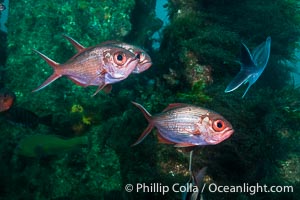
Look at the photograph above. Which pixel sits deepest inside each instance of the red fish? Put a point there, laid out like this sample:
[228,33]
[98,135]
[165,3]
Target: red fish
[144,63]
[7,99]
[100,65]
[186,125]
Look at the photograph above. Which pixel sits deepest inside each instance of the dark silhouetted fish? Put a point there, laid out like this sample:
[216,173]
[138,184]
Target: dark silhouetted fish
[26,118]
[252,65]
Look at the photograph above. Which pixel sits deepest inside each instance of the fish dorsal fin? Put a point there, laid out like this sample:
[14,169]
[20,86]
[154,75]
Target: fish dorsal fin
[76,44]
[174,105]
[246,57]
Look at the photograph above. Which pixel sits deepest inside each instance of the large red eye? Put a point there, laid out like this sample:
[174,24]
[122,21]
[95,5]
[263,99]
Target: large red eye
[218,125]
[120,58]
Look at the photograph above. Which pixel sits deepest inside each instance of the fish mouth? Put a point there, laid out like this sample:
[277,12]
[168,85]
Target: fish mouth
[220,138]
[229,132]
[141,67]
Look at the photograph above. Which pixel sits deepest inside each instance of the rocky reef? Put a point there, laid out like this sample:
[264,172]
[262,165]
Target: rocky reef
[196,60]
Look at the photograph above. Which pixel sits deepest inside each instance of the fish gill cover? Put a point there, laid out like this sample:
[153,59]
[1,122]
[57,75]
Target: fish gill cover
[197,59]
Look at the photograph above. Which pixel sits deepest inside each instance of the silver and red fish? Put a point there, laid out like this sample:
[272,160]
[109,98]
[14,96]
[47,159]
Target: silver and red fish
[100,65]
[144,63]
[186,125]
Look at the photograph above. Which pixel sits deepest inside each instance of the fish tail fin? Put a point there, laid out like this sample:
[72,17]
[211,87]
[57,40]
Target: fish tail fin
[150,125]
[54,76]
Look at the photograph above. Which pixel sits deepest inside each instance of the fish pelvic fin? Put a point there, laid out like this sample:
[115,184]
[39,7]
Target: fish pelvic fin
[55,74]
[76,44]
[149,127]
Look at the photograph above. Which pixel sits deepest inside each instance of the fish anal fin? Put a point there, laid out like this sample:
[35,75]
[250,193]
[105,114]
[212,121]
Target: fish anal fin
[76,44]
[173,105]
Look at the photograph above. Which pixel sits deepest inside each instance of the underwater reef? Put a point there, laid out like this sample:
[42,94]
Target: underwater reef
[198,57]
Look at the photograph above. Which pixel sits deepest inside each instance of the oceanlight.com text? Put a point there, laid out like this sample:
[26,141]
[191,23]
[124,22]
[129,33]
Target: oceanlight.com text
[251,189]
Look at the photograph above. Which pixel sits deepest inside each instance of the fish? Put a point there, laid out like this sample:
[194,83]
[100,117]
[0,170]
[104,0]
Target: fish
[7,99]
[196,180]
[26,118]
[45,145]
[186,125]
[100,65]
[144,62]
[2,7]
[252,65]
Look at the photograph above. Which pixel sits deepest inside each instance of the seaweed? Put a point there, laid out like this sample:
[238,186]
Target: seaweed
[196,60]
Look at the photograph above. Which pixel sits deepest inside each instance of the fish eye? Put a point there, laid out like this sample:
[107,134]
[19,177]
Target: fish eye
[218,125]
[120,58]
[141,56]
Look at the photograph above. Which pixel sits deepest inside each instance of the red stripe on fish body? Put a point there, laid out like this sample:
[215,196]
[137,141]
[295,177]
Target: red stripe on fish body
[99,65]
[187,125]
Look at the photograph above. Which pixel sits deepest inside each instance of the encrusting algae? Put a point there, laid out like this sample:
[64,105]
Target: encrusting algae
[43,145]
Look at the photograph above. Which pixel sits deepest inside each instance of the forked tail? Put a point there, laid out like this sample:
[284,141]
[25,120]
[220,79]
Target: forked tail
[149,127]
[54,76]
